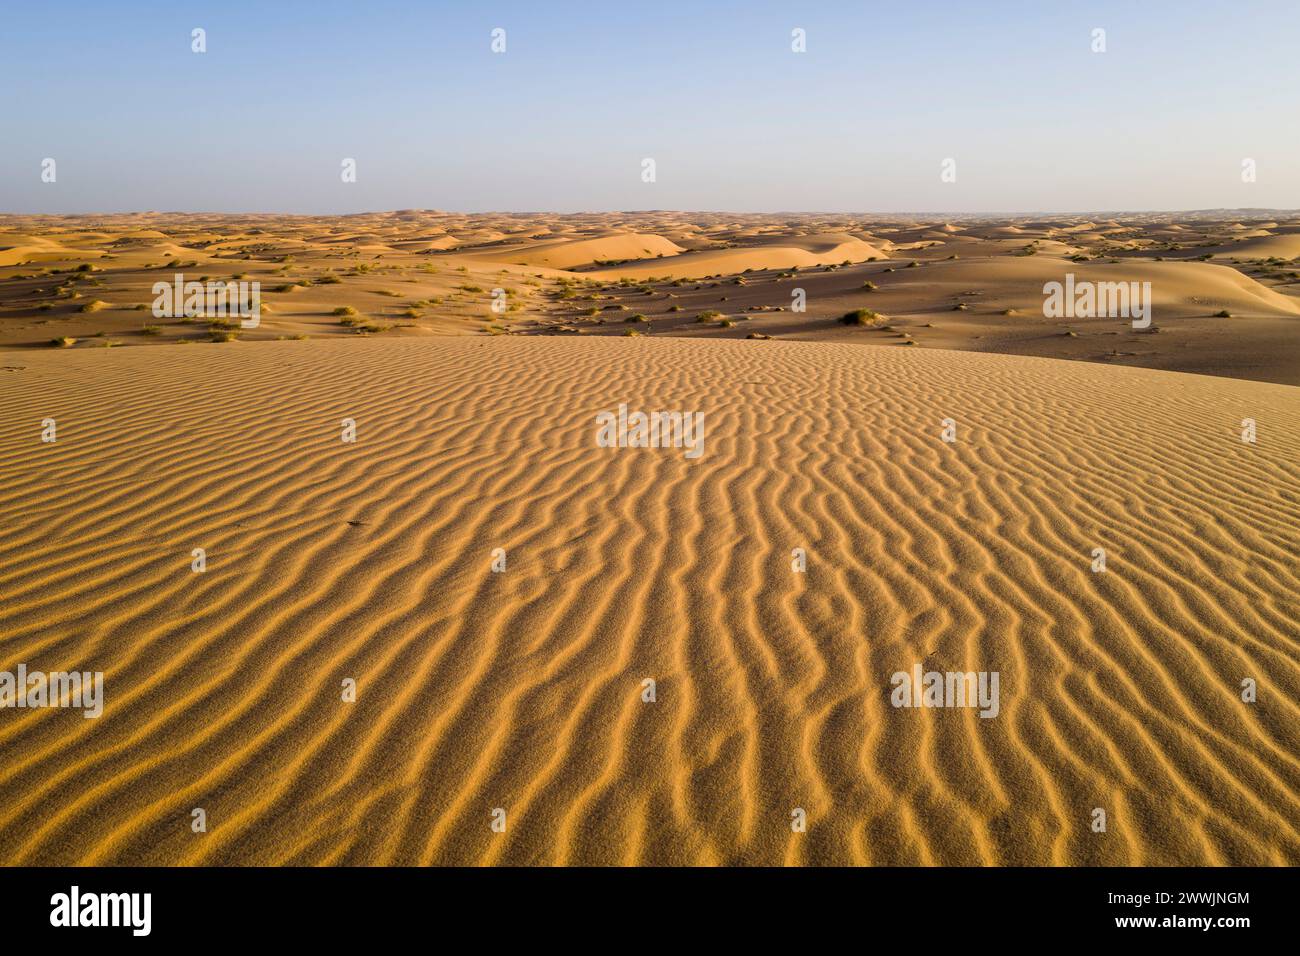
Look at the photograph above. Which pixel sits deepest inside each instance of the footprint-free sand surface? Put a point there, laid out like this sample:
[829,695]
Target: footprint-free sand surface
[523,689]
[1224,294]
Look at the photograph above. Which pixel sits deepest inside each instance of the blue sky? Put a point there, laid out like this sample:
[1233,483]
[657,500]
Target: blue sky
[710,90]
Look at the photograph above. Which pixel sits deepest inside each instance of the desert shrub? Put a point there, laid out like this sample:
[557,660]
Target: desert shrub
[861,317]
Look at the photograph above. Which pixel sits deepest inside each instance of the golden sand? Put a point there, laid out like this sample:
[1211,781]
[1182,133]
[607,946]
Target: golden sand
[523,689]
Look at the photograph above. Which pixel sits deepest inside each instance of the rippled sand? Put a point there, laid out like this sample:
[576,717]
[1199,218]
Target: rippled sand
[523,690]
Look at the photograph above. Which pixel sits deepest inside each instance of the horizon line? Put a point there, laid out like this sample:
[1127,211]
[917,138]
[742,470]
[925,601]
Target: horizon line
[946,214]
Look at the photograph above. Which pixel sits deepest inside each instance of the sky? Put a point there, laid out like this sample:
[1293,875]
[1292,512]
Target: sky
[1012,92]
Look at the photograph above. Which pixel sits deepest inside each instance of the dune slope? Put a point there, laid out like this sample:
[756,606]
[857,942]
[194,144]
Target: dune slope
[523,689]
[784,253]
[567,253]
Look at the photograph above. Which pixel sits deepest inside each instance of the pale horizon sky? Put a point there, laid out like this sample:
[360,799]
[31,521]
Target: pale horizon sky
[734,120]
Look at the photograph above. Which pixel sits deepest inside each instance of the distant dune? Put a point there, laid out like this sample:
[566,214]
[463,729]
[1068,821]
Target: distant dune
[1223,304]
[15,249]
[1180,286]
[1284,247]
[568,253]
[784,253]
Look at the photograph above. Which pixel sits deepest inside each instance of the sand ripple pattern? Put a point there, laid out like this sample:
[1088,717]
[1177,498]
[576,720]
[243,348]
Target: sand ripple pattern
[522,690]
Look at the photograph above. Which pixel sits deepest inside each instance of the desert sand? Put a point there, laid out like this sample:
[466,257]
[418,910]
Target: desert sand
[522,689]
[1225,286]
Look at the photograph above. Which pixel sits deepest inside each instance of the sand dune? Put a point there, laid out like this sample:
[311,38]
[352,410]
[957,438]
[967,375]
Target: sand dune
[566,254]
[15,249]
[523,689]
[1284,247]
[788,252]
[86,281]
[437,244]
[1175,286]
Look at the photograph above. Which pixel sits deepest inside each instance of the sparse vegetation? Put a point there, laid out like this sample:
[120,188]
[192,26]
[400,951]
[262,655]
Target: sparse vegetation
[862,317]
